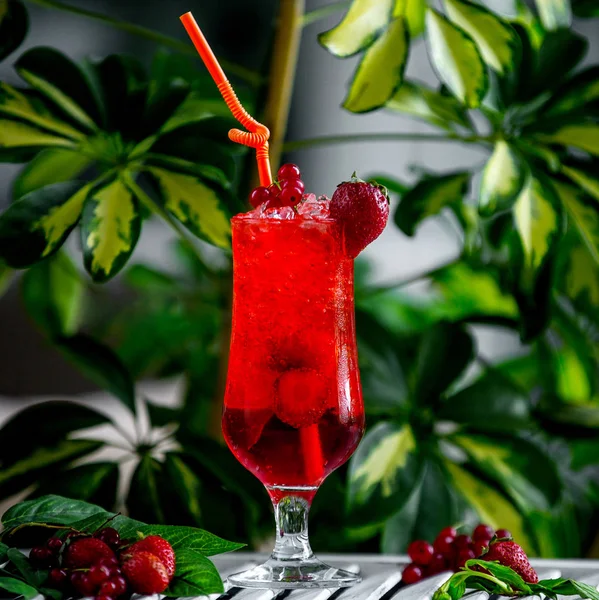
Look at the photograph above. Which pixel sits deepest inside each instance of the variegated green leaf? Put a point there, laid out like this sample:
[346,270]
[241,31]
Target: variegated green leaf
[555,13]
[16,136]
[502,180]
[583,215]
[575,93]
[15,103]
[414,12]
[52,165]
[383,472]
[585,180]
[37,225]
[428,197]
[363,22]
[456,59]
[537,221]
[584,136]
[492,507]
[196,205]
[110,228]
[381,70]
[419,101]
[581,279]
[62,82]
[495,38]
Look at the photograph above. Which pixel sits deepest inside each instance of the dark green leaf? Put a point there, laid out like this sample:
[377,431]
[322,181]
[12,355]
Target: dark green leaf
[381,70]
[505,406]
[144,499]
[146,278]
[456,59]
[585,9]
[576,93]
[358,29]
[502,572]
[196,576]
[428,197]
[38,224]
[127,527]
[392,184]
[16,586]
[3,550]
[19,560]
[101,365]
[581,279]
[584,136]
[585,179]
[62,82]
[52,165]
[445,352]
[110,228]
[555,13]
[383,472]
[53,295]
[185,484]
[14,23]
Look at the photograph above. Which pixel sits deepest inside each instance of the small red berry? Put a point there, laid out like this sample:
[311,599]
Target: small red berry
[291,195]
[503,533]
[54,545]
[443,544]
[81,582]
[86,552]
[41,556]
[463,556]
[108,588]
[98,574]
[483,533]
[411,574]
[479,548]
[158,546]
[109,536]
[438,564]
[57,578]
[289,171]
[297,183]
[462,542]
[257,197]
[110,562]
[120,585]
[420,552]
[448,531]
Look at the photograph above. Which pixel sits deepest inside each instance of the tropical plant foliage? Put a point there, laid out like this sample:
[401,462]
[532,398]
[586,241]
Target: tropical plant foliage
[451,438]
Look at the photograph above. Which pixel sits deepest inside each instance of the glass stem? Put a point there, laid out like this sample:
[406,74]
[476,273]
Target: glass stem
[291,518]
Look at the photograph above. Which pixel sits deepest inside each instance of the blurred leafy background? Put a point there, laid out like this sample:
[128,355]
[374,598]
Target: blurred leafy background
[111,145]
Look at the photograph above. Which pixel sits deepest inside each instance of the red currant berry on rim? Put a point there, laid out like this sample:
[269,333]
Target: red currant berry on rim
[57,578]
[411,574]
[54,545]
[288,171]
[503,533]
[290,196]
[448,531]
[463,556]
[297,183]
[443,544]
[257,197]
[462,542]
[420,552]
[483,533]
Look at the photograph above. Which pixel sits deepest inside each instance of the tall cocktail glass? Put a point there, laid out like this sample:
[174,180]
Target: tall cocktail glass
[293,405]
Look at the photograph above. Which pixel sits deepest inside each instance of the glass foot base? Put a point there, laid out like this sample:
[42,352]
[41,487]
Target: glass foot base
[294,574]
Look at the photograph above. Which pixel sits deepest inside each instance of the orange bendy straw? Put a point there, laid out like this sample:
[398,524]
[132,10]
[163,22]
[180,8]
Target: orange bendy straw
[258,134]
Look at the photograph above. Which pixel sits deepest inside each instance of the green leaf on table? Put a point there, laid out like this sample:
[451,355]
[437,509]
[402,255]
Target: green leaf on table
[554,13]
[505,407]
[428,197]
[18,587]
[522,469]
[196,205]
[584,179]
[583,214]
[565,587]
[361,25]
[110,227]
[38,224]
[575,94]
[501,572]
[19,560]
[195,576]
[3,550]
[62,82]
[101,365]
[491,506]
[383,472]
[456,59]
[144,499]
[14,23]
[49,509]
[52,165]
[495,38]
[417,100]
[53,295]
[584,136]
[445,352]
[503,177]
[381,70]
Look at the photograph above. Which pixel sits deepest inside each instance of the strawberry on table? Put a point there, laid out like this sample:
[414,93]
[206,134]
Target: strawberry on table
[85,552]
[511,555]
[158,546]
[145,573]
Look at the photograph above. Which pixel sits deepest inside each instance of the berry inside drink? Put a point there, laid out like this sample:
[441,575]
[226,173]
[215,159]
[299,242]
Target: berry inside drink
[293,404]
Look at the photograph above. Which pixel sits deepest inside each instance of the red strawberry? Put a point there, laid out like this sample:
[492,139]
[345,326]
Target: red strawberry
[362,209]
[85,552]
[145,573]
[158,546]
[511,555]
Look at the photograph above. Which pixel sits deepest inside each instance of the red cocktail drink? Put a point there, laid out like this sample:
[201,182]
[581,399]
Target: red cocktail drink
[293,405]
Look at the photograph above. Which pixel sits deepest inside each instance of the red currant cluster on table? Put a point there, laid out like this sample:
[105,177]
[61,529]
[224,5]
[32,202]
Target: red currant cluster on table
[104,566]
[449,551]
[287,190]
